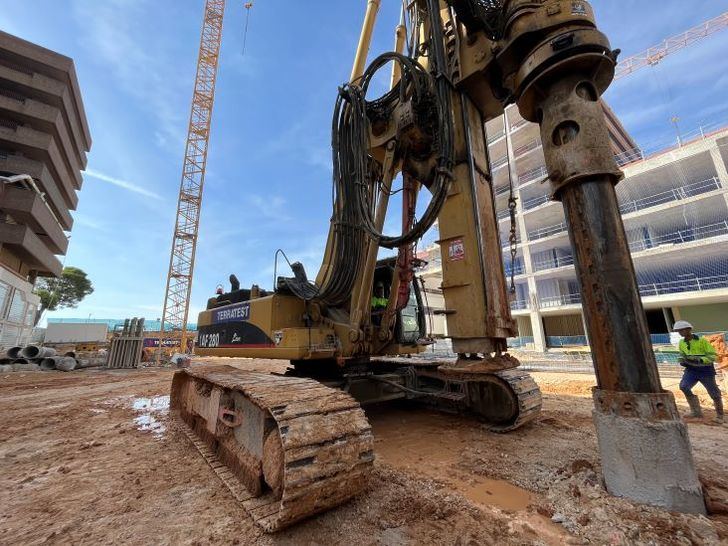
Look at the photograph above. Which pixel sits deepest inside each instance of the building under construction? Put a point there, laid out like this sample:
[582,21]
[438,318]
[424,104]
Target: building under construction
[44,135]
[674,203]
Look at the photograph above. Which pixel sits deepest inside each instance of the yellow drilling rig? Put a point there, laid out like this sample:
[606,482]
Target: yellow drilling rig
[294,445]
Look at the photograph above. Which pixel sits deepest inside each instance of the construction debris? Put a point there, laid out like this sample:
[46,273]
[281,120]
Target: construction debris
[126,350]
[45,359]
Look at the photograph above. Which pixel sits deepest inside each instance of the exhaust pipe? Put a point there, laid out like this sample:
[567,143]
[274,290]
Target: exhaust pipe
[33,351]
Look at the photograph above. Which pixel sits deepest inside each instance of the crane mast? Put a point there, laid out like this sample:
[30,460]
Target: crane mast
[187,221]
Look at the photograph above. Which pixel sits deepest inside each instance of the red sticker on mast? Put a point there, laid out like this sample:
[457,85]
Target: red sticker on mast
[456,252]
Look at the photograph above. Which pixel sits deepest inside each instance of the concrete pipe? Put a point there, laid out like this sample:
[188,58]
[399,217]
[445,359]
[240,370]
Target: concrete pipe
[70,354]
[66,364]
[25,367]
[21,361]
[5,361]
[48,364]
[33,351]
[98,362]
[14,352]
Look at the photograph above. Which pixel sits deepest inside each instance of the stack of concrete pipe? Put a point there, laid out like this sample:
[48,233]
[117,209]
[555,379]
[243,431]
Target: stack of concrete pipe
[33,358]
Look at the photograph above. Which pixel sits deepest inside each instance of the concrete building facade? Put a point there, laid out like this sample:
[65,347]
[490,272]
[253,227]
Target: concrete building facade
[44,138]
[674,204]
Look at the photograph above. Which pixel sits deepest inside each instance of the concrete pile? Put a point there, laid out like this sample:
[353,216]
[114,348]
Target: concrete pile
[34,358]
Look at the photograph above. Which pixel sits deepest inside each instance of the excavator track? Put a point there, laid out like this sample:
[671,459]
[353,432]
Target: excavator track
[287,448]
[527,398]
[504,400]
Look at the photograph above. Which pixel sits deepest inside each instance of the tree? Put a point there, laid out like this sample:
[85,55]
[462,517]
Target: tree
[64,292]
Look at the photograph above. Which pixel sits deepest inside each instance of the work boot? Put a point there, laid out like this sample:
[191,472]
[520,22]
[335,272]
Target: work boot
[694,403]
[718,411]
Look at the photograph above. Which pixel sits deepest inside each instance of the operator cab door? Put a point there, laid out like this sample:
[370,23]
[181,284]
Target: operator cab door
[411,324]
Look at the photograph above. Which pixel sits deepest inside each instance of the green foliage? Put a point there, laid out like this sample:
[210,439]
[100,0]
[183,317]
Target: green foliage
[65,292]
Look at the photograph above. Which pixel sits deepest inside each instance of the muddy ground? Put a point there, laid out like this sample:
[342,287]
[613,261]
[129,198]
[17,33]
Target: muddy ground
[90,457]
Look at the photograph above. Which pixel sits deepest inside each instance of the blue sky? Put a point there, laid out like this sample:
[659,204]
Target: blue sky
[268,183]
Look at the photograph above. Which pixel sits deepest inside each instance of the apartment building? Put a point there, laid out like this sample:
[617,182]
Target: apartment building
[44,138]
[674,204]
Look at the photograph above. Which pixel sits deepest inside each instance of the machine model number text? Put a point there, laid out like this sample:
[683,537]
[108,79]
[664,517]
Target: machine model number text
[209,341]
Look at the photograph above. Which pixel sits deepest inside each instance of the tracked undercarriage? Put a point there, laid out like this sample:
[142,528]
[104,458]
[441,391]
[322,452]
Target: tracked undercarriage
[290,447]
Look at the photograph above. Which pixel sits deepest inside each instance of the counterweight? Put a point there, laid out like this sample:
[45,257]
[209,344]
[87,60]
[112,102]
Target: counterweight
[187,222]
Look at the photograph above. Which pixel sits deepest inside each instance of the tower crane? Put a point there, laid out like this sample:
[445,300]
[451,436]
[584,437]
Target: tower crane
[656,54]
[187,221]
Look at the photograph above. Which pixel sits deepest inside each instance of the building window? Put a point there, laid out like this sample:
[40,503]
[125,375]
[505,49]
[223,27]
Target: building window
[4,295]
[9,336]
[17,308]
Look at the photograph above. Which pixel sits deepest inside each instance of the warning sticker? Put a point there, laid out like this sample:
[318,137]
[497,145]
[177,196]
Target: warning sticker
[456,251]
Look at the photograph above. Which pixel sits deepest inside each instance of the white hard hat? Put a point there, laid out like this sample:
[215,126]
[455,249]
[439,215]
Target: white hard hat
[681,325]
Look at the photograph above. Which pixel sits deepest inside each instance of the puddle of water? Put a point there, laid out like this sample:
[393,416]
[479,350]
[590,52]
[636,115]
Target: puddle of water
[498,493]
[156,403]
[151,411]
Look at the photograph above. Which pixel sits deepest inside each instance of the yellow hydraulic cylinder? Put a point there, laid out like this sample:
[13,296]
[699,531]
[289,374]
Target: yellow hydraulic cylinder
[362,51]
[399,38]
[365,40]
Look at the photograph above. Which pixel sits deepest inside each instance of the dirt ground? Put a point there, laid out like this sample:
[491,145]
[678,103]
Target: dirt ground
[90,457]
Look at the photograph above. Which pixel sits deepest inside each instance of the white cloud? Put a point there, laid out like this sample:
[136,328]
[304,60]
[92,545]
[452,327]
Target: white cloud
[81,220]
[129,186]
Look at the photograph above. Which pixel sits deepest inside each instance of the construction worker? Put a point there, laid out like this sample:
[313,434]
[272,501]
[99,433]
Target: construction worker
[379,303]
[698,356]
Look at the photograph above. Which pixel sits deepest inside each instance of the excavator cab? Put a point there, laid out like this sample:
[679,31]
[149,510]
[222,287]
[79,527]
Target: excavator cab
[411,319]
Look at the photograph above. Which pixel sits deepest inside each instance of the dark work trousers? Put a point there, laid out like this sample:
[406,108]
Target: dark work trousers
[705,375]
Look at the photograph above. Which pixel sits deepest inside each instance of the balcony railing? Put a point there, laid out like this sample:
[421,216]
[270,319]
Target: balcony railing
[518,123]
[498,163]
[546,232]
[536,143]
[696,284]
[519,305]
[505,243]
[502,215]
[495,136]
[559,301]
[518,269]
[682,236]
[676,194]
[502,189]
[536,202]
[554,263]
[539,173]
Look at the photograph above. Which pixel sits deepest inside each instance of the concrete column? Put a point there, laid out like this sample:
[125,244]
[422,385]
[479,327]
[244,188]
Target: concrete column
[668,319]
[539,334]
[720,167]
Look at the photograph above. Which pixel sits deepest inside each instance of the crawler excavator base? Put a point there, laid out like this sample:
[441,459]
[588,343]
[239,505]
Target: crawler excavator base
[287,448]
